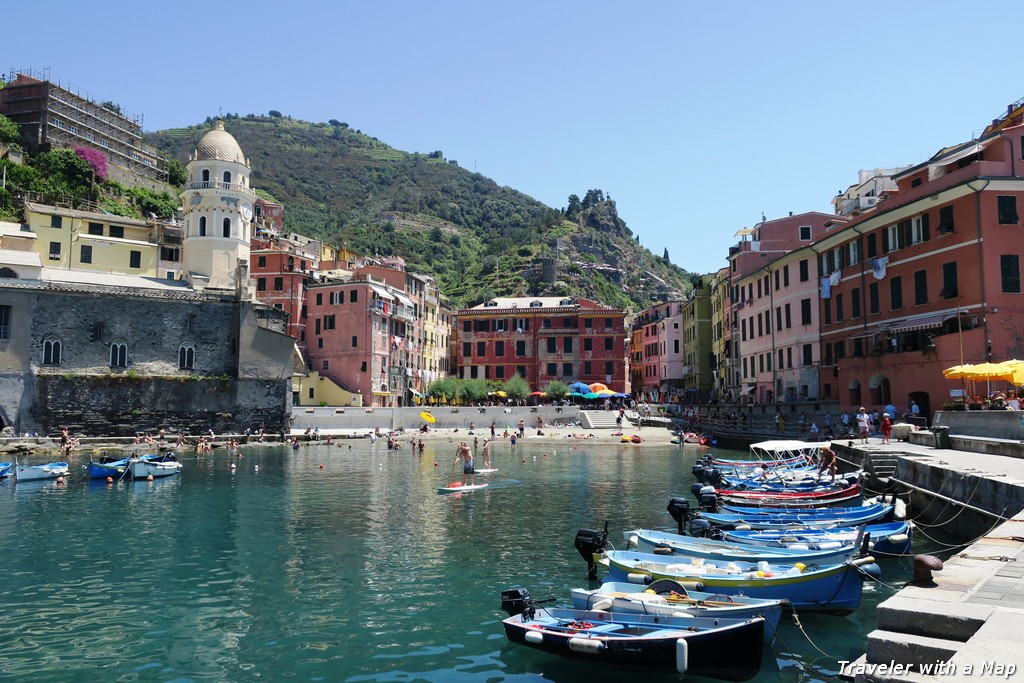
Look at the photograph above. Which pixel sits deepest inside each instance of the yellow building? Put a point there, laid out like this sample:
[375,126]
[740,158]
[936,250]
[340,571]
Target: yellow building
[84,240]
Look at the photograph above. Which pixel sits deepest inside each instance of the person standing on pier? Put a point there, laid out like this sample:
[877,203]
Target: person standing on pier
[863,424]
[885,428]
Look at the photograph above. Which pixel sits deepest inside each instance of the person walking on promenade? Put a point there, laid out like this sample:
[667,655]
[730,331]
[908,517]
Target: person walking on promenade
[863,424]
[886,428]
[464,452]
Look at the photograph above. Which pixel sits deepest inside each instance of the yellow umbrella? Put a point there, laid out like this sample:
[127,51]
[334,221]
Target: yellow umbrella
[957,371]
[427,417]
[988,371]
[605,392]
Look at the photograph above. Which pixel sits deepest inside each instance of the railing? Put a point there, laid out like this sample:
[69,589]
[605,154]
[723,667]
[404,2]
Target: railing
[216,185]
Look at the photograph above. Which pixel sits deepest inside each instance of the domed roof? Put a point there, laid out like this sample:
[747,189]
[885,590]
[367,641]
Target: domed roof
[219,144]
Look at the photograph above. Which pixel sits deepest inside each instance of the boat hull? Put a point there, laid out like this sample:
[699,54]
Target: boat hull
[892,538]
[726,649]
[144,469]
[629,598]
[835,589]
[53,470]
[673,545]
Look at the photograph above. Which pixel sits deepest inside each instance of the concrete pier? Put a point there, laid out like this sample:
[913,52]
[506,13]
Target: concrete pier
[966,624]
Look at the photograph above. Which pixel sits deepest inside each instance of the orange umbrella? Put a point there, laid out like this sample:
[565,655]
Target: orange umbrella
[597,387]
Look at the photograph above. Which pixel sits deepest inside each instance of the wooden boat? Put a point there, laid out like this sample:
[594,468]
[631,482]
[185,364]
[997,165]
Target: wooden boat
[163,466]
[728,649]
[832,588]
[892,538]
[781,518]
[109,466]
[659,543]
[52,470]
[848,496]
[670,598]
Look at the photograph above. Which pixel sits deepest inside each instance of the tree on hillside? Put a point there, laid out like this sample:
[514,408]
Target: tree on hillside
[574,206]
[664,257]
[8,131]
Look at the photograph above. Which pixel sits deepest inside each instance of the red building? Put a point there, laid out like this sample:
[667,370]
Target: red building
[542,339]
[930,279]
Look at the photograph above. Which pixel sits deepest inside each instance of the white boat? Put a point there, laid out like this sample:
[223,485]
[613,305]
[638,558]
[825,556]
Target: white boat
[52,470]
[144,469]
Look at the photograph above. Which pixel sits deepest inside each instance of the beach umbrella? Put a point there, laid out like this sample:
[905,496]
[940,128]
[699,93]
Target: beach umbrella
[605,392]
[501,394]
[579,388]
[537,393]
[597,387]
[427,417]
[956,372]
[591,396]
[988,371]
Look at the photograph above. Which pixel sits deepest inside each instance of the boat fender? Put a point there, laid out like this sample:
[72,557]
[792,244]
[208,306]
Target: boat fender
[829,545]
[682,655]
[602,605]
[632,541]
[870,570]
[590,646]
[898,538]
[742,527]
[704,490]
[799,546]
[535,637]
[663,550]
[638,578]
[788,539]
[861,561]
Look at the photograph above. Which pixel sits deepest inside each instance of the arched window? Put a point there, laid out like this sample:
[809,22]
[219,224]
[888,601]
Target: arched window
[227,177]
[8,273]
[119,354]
[186,357]
[51,351]
[227,227]
[202,226]
[206,175]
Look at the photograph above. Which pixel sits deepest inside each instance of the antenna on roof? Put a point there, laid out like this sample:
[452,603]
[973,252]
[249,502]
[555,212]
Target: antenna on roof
[763,217]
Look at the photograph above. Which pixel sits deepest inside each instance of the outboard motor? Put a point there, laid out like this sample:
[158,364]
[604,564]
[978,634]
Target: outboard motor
[695,491]
[589,542]
[707,460]
[515,601]
[679,508]
[713,477]
[709,499]
[699,528]
[698,471]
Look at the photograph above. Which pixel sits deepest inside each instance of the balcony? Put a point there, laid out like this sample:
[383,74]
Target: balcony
[402,313]
[216,185]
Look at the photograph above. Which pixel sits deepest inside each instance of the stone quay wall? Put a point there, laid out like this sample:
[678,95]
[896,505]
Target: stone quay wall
[123,406]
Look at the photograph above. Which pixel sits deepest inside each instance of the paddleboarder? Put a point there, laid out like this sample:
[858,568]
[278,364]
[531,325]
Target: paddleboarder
[464,452]
[487,454]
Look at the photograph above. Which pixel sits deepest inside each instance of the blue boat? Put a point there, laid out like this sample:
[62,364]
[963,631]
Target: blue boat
[833,588]
[118,468]
[665,544]
[892,538]
[5,469]
[781,518]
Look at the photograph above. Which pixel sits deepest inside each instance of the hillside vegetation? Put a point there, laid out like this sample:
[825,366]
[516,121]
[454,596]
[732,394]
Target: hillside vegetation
[477,238]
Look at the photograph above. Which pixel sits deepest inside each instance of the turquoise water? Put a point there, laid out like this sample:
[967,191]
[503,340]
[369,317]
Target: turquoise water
[356,571]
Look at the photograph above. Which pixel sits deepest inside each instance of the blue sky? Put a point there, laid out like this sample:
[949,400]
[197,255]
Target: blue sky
[694,118]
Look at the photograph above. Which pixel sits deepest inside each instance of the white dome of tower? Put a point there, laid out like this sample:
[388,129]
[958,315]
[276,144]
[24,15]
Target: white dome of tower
[220,145]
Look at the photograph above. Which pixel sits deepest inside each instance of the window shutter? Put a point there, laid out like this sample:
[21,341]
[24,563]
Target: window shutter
[924,227]
[885,241]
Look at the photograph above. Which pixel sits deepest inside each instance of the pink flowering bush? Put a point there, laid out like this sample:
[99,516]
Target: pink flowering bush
[96,159]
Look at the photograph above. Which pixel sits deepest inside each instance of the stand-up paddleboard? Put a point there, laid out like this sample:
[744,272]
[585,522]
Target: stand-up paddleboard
[458,487]
[486,470]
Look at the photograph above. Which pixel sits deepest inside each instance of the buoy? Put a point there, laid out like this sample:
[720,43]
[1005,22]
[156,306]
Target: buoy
[60,480]
[233,465]
[524,461]
[435,464]
[149,477]
[321,465]
[257,468]
[110,480]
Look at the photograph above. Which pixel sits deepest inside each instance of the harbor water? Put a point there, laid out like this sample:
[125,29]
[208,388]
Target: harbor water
[339,563]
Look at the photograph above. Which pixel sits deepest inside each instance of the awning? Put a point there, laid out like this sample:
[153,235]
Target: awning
[921,322]
[382,293]
[403,299]
[749,390]
[416,393]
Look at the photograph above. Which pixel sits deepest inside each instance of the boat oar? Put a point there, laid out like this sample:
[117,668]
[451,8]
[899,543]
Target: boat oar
[451,479]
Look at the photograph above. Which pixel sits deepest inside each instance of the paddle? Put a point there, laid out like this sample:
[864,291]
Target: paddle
[451,479]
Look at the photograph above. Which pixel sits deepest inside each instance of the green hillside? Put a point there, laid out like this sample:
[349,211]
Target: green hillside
[477,238]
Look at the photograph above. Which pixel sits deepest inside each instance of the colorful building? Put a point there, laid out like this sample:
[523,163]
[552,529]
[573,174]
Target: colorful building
[542,339]
[656,352]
